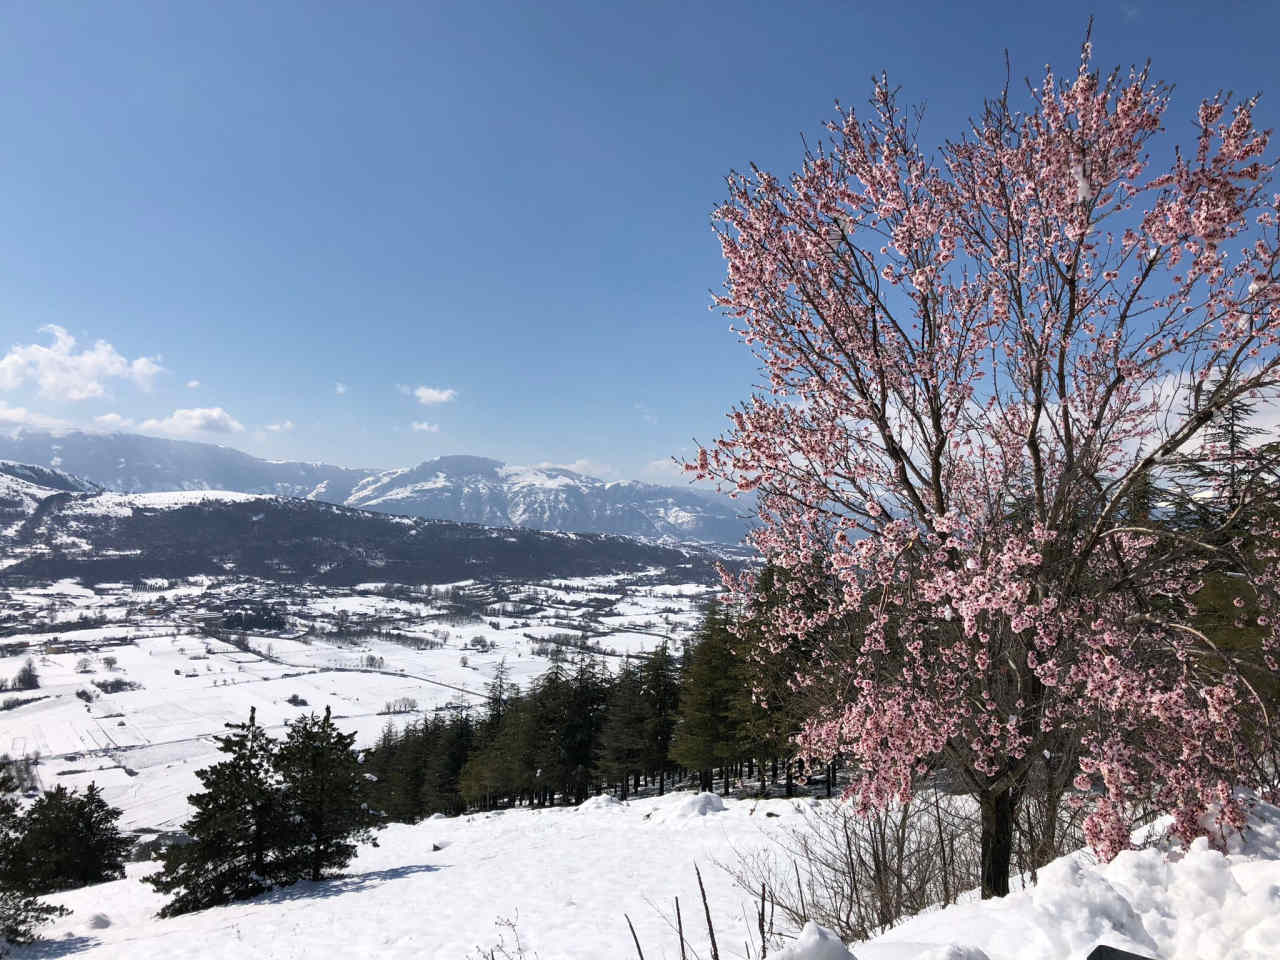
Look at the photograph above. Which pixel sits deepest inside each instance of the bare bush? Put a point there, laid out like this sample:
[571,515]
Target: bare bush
[858,874]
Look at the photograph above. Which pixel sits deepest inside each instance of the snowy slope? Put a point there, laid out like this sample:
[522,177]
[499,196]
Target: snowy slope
[111,536]
[568,878]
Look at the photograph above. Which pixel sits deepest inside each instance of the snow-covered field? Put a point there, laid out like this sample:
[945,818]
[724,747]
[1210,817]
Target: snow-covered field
[353,650]
[568,878]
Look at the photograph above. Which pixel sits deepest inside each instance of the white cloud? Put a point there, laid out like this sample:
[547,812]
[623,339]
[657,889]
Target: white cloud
[113,421]
[339,388]
[193,384]
[199,420]
[423,427]
[666,468]
[646,414]
[59,370]
[283,427]
[22,417]
[583,465]
[427,396]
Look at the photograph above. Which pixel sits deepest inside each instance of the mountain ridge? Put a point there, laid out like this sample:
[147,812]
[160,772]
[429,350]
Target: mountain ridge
[458,488]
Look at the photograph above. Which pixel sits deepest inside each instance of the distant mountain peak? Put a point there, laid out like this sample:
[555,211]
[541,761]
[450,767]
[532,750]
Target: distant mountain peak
[458,487]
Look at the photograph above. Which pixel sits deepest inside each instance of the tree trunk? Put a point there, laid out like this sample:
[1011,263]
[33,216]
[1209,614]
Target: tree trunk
[791,783]
[998,811]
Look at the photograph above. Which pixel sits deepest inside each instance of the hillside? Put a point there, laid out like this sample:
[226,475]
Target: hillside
[461,489]
[126,537]
[568,879]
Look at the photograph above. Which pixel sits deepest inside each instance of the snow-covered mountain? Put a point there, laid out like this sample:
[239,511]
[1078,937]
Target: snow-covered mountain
[102,536]
[478,490]
[24,487]
[459,488]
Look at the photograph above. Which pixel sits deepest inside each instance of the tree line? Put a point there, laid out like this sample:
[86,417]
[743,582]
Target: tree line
[581,729]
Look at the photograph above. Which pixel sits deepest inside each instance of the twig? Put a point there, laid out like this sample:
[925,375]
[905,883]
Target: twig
[634,938]
[706,908]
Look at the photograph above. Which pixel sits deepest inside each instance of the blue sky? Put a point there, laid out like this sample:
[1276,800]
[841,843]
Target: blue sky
[302,230]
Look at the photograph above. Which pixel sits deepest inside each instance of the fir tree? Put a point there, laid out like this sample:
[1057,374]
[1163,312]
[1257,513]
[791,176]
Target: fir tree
[623,741]
[660,686]
[66,840]
[236,831]
[706,734]
[20,913]
[326,797]
[442,769]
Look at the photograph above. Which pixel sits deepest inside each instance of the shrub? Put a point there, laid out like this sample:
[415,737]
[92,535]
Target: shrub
[116,685]
[26,678]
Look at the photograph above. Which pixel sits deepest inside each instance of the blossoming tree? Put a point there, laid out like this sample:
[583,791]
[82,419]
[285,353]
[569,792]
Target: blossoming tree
[976,366]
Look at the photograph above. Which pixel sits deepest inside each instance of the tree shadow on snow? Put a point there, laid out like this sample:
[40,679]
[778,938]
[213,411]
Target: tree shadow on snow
[347,883]
[48,949]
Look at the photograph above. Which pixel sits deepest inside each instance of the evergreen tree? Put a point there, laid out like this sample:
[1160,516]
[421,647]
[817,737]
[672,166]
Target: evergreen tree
[325,797]
[66,840]
[706,733]
[660,686]
[580,731]
[236,831]
[624,747]
[20,913]
[441,783]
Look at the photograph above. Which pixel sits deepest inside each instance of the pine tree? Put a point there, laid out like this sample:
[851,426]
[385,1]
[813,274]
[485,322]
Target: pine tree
[580,732]
[326,797]
[236,831]
[441,782]
[623,737]
[20,913]
[660,686]
[66,840]
[706,733]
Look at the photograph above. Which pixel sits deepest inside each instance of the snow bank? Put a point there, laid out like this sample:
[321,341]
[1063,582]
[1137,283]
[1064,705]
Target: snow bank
[816,943]
[601,803]
[685,807]
[1174,904]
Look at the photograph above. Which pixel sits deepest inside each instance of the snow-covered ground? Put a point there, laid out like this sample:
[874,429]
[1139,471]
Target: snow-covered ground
[568,878]
[354,650]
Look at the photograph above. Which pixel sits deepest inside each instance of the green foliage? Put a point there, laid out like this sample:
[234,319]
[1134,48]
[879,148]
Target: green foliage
[238,821]
[580,728]
[270,814]
[65,840]
[708,732]
[624,741]
[325,797]
[20,913]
